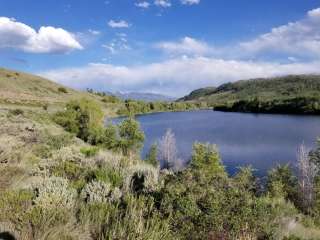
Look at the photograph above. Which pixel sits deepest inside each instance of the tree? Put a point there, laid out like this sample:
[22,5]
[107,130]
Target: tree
[245,179]
[206,159]
[168,154]
[81,117]
[152,156]
[306,178]
[110,137]
[281,180]
[131,136]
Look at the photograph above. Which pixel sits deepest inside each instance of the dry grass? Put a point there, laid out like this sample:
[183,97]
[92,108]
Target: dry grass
[30,92]
[292,227]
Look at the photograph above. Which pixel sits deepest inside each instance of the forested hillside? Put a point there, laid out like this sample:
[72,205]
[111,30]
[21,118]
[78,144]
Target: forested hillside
[289,94]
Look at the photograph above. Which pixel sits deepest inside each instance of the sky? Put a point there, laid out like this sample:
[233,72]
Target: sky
[169,47]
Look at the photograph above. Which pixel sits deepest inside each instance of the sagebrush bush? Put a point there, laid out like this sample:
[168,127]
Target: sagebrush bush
[141,178]
[96,192]
[71,153]
[54,192]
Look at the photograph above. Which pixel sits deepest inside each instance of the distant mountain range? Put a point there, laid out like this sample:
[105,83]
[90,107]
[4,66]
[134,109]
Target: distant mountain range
[149,97]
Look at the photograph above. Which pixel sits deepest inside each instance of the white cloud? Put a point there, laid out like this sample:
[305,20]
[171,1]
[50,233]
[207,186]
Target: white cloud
[186,45]
[94,32]
[174,77]
[190,2]
[315,13]
[143,4]
[162,3]
[48,39]
[300,38]
[118,24]
[117,44]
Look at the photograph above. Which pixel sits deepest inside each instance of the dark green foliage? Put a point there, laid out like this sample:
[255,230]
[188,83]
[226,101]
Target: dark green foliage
[68,169]
[282,181]
[196,94]
[111,99]
[291,94]
[315,154]
[62,90]
[89,151]
[205,204]
[206,160]
[316,208]
[132,107]
[245,179]
[151,157]
[110,140]
[81,117]
[299,105]
[108,176]
[131,136]
[45,107]
[16,112]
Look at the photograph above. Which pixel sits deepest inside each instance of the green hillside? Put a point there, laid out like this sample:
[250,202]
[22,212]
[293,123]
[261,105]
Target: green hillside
[23,88]
[29,91]
[293,94]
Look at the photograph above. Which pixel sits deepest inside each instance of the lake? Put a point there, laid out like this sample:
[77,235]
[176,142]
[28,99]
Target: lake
[260,140]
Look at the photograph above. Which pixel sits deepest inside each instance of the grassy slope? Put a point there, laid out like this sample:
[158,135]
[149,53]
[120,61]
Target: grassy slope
[265,89]
[24,90]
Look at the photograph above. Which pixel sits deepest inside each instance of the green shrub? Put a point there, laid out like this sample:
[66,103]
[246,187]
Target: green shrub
[70,170]
[135,218]
[58,141]
[14,206]
[89,151]
[62,90]
[111,99]
[206,160]
[16,112]
[281,181]
[152,156]
[131,136]
[108,175]
[81,117]
[110,140]
[44,220]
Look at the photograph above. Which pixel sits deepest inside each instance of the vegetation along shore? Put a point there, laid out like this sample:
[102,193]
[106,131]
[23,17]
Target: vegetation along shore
[64,175]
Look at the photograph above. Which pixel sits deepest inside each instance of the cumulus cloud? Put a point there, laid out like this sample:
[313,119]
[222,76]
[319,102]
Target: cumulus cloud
[300,38]
[118,24]
[190,2]
[174,77]
[186,45]
[143,4]
[163,3]
[48,39]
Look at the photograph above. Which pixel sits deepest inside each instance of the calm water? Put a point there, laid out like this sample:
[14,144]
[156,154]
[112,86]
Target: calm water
[260,140]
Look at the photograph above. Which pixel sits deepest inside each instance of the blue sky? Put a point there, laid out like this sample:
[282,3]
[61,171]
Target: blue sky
[161,46]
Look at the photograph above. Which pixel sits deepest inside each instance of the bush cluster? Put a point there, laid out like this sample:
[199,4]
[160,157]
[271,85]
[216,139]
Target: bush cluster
[84,118]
